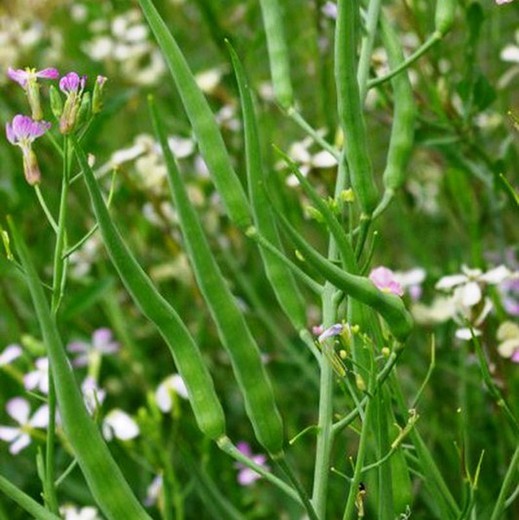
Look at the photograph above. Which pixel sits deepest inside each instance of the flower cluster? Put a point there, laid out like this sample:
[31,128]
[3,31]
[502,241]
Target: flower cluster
[23,130]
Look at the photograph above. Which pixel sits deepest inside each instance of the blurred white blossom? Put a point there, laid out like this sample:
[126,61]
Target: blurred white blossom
[71,512]
[120,425]
[39,378]
[19,436]
[171,386]
[9,354]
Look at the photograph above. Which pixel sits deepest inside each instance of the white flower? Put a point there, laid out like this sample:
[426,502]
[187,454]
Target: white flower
[466,287]
[19,410]
[508,335]
[9,354]
[88,352]
[71,512]
[93,395]
[172,385]
[38,378]
[300,153]
[153,491]
[120,425]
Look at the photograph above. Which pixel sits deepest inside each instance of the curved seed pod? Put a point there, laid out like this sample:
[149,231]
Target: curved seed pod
[278,52]
[389,306]
[232,329]
[349,106]
[104,478]
[188,359]
[404,115]
[444,16]
[281,279]
[202,120]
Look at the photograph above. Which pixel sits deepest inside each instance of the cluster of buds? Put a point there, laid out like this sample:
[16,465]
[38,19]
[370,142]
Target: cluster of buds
[77,108]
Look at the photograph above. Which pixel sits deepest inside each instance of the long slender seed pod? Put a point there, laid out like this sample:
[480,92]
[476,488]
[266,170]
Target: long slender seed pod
[104,478]
[202,120]
[188,359]
[349,106]
[389,306]
[404,114]
[281,279]
[233,330]
[25,501]
[279,60]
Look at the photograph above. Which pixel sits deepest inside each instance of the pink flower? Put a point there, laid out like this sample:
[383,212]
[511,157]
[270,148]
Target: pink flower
[28,80]
[72,82]
[385,280]
[499,2]
[247,476]
[72,85]
[22,132]
[24,76]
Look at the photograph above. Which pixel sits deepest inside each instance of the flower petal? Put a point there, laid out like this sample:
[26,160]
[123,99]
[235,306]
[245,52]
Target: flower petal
[468,294]
[18,445]
[18,408]
[497,275]
[40,419]
[449,282]
[10,353]
[121,424]
[8,433]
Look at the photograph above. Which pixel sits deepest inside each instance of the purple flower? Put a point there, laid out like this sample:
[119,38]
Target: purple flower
[247,476]
[22,131]
[28,79]
[102,343]
[330,332]
[24,76]
[71,83]
[385,280]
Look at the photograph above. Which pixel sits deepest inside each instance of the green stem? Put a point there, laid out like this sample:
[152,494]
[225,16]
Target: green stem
[367,46]
[293,114]
[225,444]
[325,420]
[361,451]
[297,485]
[433,39]
[45,208]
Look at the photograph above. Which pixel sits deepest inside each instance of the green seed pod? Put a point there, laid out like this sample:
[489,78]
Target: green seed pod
[404,115]
[278,52]
[280,277]
[444,16]
[389,306]
[188,359]
[84,111]
[350,108]
[103,476]
[56,103]
[209,138]
[232,328]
